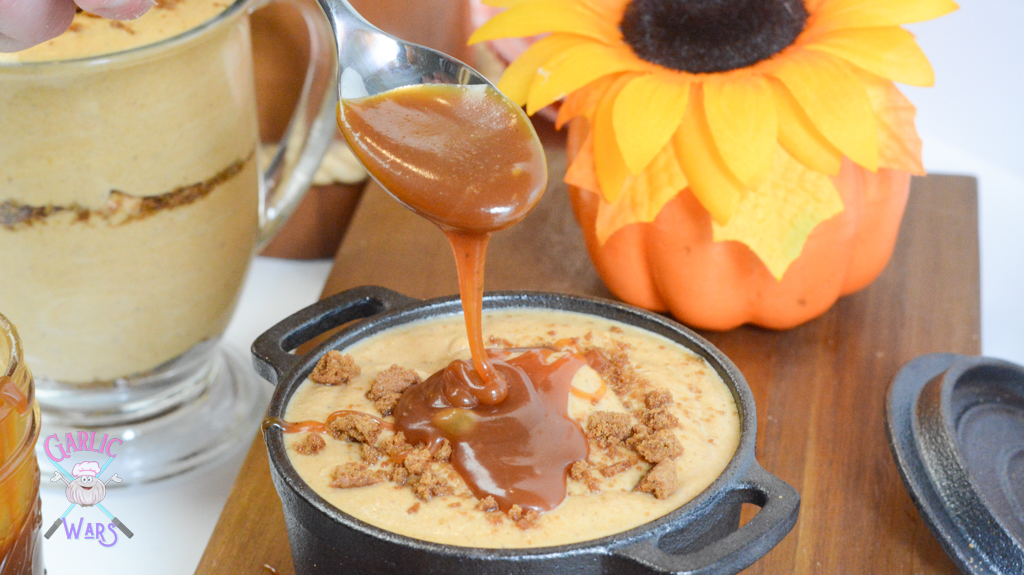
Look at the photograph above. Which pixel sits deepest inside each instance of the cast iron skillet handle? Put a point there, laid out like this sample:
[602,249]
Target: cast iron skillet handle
[780,505]
[270,351]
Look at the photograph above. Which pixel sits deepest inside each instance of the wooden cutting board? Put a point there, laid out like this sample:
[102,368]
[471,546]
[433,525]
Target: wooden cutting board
[820,388]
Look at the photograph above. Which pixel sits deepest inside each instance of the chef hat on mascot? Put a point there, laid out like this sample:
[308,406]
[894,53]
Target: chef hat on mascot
[86,468]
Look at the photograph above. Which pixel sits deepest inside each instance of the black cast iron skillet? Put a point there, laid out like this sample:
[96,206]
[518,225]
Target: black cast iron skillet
[701,537]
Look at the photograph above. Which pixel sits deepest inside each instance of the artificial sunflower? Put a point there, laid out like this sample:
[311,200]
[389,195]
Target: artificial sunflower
[751,104]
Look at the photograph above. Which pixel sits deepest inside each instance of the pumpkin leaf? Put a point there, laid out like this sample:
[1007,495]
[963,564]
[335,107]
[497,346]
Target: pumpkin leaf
[899,146]
[643,195]
[775,219]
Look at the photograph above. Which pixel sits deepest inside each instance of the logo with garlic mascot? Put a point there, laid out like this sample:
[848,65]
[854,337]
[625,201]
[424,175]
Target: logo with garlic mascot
[86,490]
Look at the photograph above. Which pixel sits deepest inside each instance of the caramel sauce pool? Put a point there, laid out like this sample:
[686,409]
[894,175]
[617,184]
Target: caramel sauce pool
[469,161]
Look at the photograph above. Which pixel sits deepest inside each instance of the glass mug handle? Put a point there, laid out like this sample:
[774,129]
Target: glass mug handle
[310,130]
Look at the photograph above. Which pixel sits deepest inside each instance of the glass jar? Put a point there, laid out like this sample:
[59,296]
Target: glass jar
[20,520]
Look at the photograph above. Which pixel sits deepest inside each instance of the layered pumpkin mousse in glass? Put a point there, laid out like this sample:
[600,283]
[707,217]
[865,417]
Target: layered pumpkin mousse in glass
[128,189]
[618,427]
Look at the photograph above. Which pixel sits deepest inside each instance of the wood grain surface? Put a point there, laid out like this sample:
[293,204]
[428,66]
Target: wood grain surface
[820,388]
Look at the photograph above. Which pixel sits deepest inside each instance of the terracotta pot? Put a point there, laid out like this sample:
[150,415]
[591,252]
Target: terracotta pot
[672,264]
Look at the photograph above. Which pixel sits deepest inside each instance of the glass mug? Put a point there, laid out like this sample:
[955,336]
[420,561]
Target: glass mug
[20,549]
[131,203]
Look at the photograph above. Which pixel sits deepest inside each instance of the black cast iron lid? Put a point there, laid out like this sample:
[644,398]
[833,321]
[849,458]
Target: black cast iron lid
[956,429]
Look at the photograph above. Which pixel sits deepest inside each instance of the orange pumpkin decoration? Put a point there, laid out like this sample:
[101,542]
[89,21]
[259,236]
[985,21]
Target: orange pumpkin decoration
[736,161]
[672,264]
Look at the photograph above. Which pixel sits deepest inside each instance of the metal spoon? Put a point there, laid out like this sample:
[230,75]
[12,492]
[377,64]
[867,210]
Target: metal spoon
[371,61]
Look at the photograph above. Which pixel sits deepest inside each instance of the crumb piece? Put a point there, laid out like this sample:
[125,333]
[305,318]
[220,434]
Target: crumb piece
[387,404]
[580,471]
[660,481]
[433,483]
[523,519]
[371,454]
[495,519]
[487,504]
[354,427]
[399,475]
[608,426]
[75,27]
[416,460]
[455,504]
[395,379]
[334,368]
[639,430]
[444,453]
[658,398]
[658,447]
[394,445]
[615,329]
[618,373]
[311,444]
[415,507]
[354,474]
[618,467]
[658,419]
[499,342]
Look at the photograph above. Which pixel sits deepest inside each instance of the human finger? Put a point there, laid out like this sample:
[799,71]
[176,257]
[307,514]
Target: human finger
[116,9]
[25,23]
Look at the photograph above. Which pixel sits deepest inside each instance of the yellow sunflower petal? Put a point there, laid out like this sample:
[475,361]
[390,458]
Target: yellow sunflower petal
[608,163]
[516,80]
[646,114]
[644,195]
[581,171]
[584,101]
[576,67]
[899,146]
[715,186]
[888,52]
[775,219]
[835,101]
[534,17]
[838,14]
[800,138]
[742,118]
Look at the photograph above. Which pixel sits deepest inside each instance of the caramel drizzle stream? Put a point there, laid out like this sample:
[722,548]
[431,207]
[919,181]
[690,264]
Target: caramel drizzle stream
[317,426]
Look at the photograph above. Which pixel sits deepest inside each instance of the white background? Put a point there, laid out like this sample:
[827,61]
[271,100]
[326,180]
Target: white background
[971,123]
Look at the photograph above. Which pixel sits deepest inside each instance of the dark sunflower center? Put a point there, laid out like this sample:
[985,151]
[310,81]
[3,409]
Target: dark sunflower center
[711,35]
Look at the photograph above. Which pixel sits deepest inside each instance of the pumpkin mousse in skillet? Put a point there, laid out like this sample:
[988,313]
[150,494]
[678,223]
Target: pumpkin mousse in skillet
[658,427]
[561,428]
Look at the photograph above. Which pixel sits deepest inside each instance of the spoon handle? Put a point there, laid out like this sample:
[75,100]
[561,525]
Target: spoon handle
[344,18]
